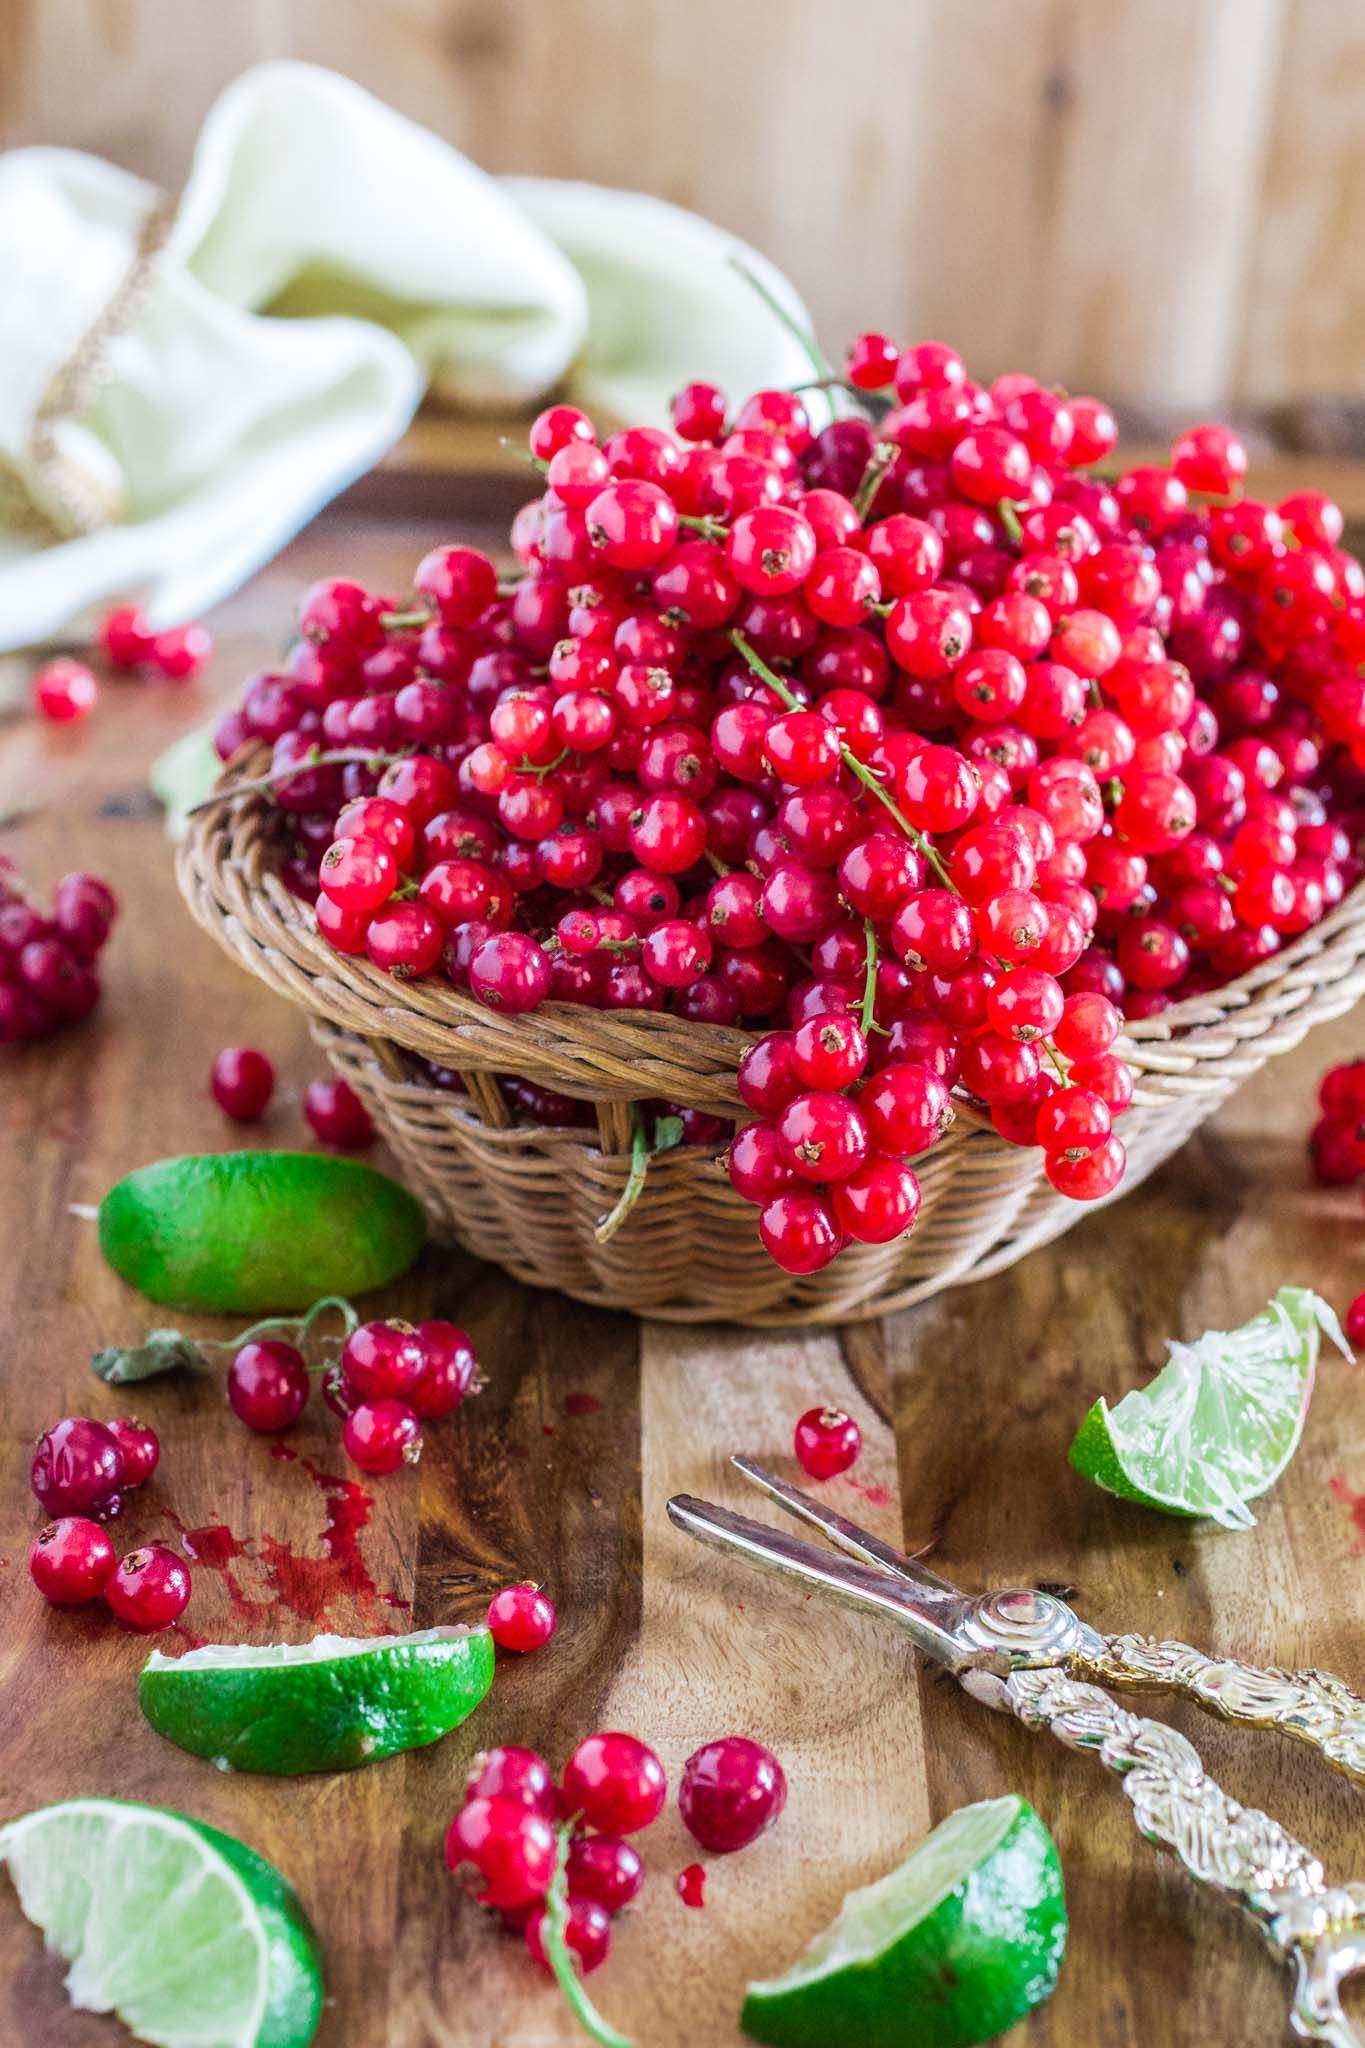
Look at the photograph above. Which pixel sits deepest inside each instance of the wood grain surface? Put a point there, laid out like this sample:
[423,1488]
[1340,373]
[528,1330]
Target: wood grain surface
[967,1406]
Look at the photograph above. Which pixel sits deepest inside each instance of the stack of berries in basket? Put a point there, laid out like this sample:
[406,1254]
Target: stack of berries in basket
[909,744]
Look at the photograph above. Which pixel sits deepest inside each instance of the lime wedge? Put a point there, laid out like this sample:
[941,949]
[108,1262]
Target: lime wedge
[189,1936]
[955,1945]
[1220,1421]
[327,1705]
[251,1232]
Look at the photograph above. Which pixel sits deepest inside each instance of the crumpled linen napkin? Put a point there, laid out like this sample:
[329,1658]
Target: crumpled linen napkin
[183,385]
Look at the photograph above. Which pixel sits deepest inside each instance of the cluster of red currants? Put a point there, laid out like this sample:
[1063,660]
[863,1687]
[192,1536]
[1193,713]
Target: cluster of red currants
[81,1470]
[612,1786]
[47,963]
[910,740]
[390,1379]
[1336,1145]
[65,689]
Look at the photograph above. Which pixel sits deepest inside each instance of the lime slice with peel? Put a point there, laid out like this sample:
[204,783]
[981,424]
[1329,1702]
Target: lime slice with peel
[189,1936]
[1220,1421]
[955,1945]
[327,1705]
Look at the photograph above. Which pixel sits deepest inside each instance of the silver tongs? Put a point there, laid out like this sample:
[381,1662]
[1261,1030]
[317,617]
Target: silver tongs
[1027,1653]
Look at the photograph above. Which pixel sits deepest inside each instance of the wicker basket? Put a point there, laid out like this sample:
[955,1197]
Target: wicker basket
[530,1199]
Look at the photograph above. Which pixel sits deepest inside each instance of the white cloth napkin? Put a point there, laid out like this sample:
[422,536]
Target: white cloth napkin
[326,263]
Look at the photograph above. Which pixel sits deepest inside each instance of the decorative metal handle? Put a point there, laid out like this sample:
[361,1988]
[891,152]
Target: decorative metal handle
[1313,1707]
[1317,1930]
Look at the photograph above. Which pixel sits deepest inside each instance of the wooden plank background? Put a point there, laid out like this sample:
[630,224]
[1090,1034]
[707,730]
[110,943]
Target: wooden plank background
[1156,199]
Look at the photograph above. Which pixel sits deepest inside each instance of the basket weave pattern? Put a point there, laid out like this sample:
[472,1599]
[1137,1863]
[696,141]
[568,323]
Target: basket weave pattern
[530,1198]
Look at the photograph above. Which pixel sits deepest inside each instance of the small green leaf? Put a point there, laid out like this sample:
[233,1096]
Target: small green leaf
[668,1132]
[163,1351]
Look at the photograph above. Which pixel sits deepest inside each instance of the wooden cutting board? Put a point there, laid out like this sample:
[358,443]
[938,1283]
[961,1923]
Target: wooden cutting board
[559,1471]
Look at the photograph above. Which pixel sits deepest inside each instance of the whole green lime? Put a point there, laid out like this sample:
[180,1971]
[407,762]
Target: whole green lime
[249,1232]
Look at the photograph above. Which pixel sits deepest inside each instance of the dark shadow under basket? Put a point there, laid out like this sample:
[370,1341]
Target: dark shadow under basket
[530,1199]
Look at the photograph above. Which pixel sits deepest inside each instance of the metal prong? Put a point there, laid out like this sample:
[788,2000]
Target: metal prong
[935,1617]
[845,1535]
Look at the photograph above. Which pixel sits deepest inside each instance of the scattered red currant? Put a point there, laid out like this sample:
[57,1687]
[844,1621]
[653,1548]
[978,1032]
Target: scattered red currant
[827,1442]
[730,1791]
[521,1618]
[71,1561]
[149,1589]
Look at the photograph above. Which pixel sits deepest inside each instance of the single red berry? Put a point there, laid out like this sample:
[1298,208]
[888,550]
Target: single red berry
[521,1617]
[870,362]
[125,637]
[512,1847]
[267,1385]
[448,1369]
[64,690]
[383,1360]
[823,1137]
[586,1930]
[827,1442]
[798,1231]
[604,1869]
[615,1782]
[243,1081]
[358,874]
[140,1447]
[730,1791]
[180,652]
[77,1466]
[511,1772]
[71,1561]
[379,1436]
[878,1203]
[1087,1177]
[1355,1321]
[827,1053]
[338,1116]
[150,1588]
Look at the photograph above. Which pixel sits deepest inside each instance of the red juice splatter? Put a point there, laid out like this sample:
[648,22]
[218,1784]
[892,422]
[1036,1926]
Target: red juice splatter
[547,1429]
[692,1885]
[581,1404]
[395,1600]
[214,1546]
[285,1452]
[192,1641]
[1339,1490]
[875,1496]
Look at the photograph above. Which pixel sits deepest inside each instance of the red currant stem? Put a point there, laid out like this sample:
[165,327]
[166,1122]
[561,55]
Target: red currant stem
[853,391]
[1096,700]
[527,767]
[635,1179]
[301,1325]
[709,529]
[883,455]
[557,1951]
[850,760]
[716,864]
[819,361]
[1009,519]
[395,622]
[338,758]
[523,454]
[869,977]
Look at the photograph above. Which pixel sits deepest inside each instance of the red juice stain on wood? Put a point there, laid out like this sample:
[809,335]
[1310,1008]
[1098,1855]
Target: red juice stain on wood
[581,1404]
[1339,1490]
[191,1640]
[692,1885]
[875,1496]
[284,1452]
[395,1600]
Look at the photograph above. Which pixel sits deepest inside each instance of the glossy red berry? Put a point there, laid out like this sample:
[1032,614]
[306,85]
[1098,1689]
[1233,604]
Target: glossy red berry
[586,1932]
[149,1589]
[338,1116]
[511,1772]
[730,1791]
[604,1869]
[126,637]
[615,1782]
[878,1202]
[823,1137]
[267,1385]
[383,1360]
[512,1847]
[64,690]
[77,1467]
[140,1446]
[243,1081]
[71,1561]
[826,1441]
[521,1618]
[381,1435]
[448,1369]
[799,1231]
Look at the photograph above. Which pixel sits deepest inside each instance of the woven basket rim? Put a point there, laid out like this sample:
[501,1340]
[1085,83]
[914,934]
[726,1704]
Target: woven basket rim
[225,868]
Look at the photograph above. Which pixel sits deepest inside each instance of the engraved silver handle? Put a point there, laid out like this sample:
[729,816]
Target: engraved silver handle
[1313,1707]
[1315,1929]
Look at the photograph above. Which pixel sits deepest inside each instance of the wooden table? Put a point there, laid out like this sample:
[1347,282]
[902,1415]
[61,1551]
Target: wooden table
[967,1405]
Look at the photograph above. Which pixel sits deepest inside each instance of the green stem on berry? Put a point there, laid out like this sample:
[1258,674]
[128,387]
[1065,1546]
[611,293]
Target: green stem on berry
[523,454]
[869,977]
[883,455]
[396,622]
[635,1179]
[528,767]
[850,760]
[709,529]
[301,1325]
[338,757]
[815,355]
[1009,519]
[558,1956]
